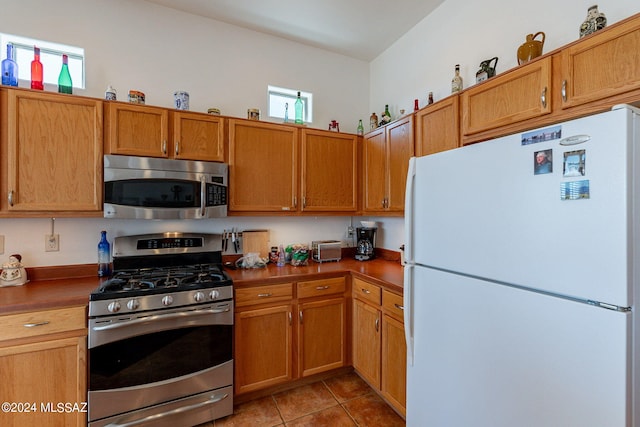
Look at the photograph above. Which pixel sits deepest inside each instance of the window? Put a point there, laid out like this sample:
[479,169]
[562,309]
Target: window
[50,56]
[282,99]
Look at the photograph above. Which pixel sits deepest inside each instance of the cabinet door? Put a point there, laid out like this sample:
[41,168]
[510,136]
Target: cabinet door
[399,150]
[263,348]
[394,363]
[197,137]
[136,130]
[322,336]
[375,172]
[329,171]
[54,152]
[366,342]
[38,376]
[263,167]
[604,65]
[508,98]
[438,127]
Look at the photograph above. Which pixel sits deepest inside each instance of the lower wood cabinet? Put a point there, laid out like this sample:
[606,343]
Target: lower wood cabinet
[43,364]
[379,348]
[281,335]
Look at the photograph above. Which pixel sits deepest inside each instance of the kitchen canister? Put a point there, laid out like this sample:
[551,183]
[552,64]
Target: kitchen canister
[253,114]
[136,97]
[181,100]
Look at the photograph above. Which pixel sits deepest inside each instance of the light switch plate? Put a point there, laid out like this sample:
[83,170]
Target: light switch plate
[1,244]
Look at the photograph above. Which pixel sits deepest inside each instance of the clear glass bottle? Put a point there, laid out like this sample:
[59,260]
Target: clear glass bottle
[456,82]
[64,79]
[9,68]
[286,112]
[36,70]
[104,256]
[298,108]
[360,130]
[281,257]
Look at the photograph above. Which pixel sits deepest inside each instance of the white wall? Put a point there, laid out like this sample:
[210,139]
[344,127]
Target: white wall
[466,32]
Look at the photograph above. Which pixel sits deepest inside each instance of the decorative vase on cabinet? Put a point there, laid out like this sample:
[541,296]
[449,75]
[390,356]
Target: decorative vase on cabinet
[531,48]
[595,21]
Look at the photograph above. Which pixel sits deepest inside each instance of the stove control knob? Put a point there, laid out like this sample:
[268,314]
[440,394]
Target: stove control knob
[133,304]
[167,300]
[214,294]
[113,306]
[199,296]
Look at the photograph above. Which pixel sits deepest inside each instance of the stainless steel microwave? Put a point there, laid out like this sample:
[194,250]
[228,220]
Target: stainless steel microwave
[152,188]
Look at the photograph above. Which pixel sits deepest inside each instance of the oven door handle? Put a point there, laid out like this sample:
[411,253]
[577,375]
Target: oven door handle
[156,417]
[179,315]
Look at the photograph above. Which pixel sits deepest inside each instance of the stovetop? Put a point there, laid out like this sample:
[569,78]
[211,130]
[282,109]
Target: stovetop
[161,280]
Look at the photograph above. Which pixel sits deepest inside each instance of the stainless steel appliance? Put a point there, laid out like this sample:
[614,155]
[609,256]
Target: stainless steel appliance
[150,188]
[161,334]
[366,243]
[326,250]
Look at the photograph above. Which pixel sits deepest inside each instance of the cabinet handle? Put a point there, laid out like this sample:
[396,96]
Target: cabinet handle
[11,198]
[290,318]
[383,203]
[295,202]
[300,317]
[377,324]
[267,295]
[543,97]
[366,291]
[163,146]
[33,325]
[304,201]
[563,91]
[177,147]
[399,307]
[322,288]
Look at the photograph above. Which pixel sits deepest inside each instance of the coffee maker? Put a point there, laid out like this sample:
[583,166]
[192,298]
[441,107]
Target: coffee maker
[366,237]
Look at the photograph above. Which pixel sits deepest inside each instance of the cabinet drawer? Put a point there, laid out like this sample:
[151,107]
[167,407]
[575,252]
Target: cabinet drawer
[316,288]
[42,322]
[264,294]
[393,305]
[366,291]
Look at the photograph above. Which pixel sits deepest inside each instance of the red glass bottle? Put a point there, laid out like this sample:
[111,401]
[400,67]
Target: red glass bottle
[36,70]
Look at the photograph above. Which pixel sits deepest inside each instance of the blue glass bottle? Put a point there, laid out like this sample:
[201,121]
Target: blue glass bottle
[104,256]
[9,68]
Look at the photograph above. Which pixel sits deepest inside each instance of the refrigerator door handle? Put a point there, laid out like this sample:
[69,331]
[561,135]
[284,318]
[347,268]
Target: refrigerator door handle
[408,310]
[409,220]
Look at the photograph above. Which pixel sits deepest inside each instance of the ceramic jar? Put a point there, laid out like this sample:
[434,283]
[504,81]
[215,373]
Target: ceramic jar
[595,21]
[531,48]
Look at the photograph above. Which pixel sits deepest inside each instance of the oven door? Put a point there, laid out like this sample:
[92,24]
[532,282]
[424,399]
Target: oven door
[145,359]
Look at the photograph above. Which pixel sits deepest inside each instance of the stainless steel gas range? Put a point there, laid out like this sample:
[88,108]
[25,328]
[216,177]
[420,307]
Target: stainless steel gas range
[161,334]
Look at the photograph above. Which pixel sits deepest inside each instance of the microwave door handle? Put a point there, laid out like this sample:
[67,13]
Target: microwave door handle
[203,193]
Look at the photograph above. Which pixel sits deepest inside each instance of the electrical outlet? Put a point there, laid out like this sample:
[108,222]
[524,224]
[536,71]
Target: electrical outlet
[1,244]
[350,231]
[51,242]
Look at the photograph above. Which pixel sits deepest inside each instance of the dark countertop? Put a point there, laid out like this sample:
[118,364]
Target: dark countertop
[56,287]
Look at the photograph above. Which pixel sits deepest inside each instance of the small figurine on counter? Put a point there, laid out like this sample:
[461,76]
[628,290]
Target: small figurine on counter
[13,272]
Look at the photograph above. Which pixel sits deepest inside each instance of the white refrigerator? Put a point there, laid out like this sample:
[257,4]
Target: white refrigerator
[522,279]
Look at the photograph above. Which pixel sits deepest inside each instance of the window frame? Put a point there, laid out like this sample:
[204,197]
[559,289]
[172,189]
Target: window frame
[292,95]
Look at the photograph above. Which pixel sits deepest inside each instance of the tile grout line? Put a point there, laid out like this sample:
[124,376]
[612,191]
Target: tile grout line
[341,403]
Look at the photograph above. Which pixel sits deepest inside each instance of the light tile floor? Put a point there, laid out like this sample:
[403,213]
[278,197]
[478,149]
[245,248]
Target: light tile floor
[341,401]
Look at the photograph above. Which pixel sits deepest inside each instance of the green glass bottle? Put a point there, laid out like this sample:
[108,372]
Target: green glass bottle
[298,108]
[360,130]
[64,79]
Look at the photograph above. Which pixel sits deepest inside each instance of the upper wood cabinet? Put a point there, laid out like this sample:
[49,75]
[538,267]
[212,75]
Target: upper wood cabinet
[136,130]
[386,154]
[438,126]
[329,174]
[197,136]
[600,66]
[514,96]
[141,130]
[51,154]
[281,168]
[263,167]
